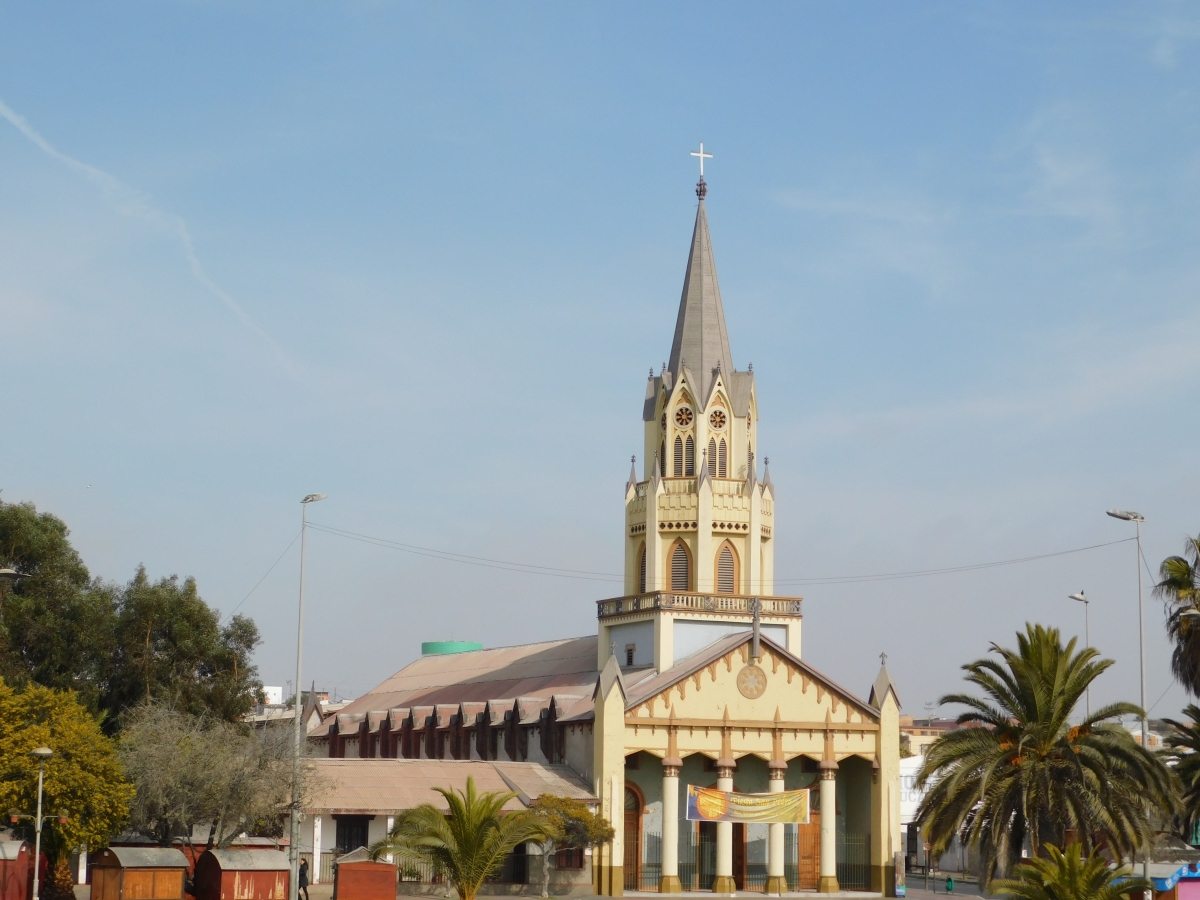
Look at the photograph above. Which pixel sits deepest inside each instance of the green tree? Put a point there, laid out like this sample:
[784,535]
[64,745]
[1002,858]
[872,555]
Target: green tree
[189,770]
[57,625]
[83,779]
[1183,749]
[1179,588]
[171,648]
[568,824]
[1019,770]
[468,845]
[1069,875]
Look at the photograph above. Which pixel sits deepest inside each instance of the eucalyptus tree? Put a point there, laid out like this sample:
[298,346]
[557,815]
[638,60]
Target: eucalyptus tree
[1017,771]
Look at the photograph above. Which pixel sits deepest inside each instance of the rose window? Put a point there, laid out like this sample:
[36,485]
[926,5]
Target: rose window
[683,417]
[717,420]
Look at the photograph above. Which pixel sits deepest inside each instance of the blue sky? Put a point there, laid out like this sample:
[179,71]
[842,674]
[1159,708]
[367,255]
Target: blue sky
[420,258]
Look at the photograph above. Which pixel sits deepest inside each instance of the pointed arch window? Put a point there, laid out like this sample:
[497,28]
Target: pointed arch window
[678,468]
[722,460]
[712,458]
[642,571]
[681,574]
[726,570]
[689,457]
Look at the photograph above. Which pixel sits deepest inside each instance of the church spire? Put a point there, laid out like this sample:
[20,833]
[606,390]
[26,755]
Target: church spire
[701,340]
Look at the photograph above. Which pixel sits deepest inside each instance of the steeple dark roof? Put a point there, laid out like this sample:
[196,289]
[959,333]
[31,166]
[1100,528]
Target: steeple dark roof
[701,341]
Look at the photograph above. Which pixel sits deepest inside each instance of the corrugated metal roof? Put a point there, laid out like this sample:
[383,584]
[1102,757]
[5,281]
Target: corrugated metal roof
[12,849]
[145,857]
[529,670]
[382,786]
[250,860]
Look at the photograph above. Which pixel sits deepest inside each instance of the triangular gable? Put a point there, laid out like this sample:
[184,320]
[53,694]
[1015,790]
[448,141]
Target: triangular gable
[658,687]
[883,684]
[610,675]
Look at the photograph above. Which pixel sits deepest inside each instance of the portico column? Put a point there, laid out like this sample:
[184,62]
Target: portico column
[724,883]
[314,871]
[828,883]
[776,881]
[669,883]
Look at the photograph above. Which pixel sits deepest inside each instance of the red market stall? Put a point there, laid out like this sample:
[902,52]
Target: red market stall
[138,873]
[242,875]
[16,870]
[357,877]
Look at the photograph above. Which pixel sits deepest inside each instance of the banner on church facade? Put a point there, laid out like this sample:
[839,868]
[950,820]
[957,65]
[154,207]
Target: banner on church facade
[711,805]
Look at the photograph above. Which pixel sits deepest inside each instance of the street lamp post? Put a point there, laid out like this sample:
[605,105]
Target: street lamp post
[1138,519]
[41,754]
[294,848]
[1087,639]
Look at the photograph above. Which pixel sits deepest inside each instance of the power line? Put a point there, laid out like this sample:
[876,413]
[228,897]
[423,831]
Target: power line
[586,575]
[922,573]
[229,615]
[481,561]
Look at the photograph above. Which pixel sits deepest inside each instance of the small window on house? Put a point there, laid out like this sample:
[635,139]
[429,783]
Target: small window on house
[689,457]
[680,575]
[722,460]
[630,649]
[712,457]
[351,832]
[571,858]
[678,469]
[725,571]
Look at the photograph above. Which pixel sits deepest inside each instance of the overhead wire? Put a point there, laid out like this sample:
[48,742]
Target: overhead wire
[229,615]
[587,575]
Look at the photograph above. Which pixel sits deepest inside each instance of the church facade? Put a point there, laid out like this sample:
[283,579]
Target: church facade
[695,674]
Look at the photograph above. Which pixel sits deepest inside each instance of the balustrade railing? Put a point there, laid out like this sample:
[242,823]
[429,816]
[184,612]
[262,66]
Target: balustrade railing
[690,600]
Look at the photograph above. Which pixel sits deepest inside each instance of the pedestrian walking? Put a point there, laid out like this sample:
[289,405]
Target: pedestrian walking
[302,881]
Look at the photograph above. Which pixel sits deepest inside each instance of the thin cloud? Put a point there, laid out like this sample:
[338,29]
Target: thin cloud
[136,204]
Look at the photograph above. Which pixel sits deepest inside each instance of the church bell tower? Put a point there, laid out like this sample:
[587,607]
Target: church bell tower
[699,523]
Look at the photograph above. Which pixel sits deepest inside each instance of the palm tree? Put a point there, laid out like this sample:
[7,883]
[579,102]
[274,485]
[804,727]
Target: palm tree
[1183,749]
[1068,875]
[467,845]
[1179,587]
[1019,771]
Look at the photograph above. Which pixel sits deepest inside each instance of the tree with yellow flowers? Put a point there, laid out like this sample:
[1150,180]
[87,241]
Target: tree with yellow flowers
[83,782]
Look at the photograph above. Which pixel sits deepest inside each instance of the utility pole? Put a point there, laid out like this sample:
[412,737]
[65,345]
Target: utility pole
[298,709]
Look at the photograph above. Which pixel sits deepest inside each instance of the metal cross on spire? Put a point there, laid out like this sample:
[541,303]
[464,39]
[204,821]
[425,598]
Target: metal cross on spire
[883,659]
[703,156]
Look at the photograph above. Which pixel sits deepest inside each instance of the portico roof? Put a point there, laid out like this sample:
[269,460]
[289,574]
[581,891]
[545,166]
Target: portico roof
[650,687]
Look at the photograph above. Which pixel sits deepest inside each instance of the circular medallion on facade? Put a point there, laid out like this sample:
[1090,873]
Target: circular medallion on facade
[752,681]
[717,419]
[683,416]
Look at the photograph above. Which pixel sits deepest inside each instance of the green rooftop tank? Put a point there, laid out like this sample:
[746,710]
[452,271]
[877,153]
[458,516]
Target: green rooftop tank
[441,648]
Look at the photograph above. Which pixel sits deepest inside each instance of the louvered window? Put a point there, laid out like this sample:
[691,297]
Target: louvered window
[689,457]
[642,573]
[678,457]
[725,571]
[662,460]
[722,460]
[680,576]
[712,458]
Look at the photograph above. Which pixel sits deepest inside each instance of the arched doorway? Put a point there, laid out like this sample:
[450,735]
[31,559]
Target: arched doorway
[632,864]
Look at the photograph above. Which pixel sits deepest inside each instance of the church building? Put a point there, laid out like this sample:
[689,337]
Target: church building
[694,676]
